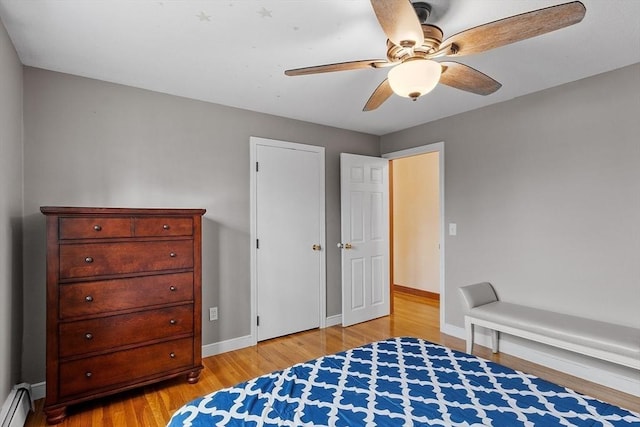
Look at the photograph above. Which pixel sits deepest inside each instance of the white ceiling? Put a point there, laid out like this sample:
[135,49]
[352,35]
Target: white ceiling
[234,52]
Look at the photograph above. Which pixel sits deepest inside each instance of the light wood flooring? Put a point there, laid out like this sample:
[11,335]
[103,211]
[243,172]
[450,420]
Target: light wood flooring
[414,316]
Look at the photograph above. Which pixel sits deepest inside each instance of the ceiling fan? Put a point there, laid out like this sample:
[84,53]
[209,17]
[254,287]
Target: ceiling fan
[412,46]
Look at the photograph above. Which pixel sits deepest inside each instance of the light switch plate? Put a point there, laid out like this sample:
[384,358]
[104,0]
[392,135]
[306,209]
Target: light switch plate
[453,229]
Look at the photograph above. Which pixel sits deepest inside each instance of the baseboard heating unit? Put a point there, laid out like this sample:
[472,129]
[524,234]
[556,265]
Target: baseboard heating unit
[17,406]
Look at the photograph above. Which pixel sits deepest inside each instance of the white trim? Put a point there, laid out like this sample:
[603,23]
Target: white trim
[333,320]
[253,292]
[38,390]
[415,151]
[253,144]
[424,149]
[563,363]
[228,345]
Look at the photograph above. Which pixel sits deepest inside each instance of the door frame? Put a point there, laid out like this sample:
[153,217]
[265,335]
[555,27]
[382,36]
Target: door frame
[424,149]
[254,142]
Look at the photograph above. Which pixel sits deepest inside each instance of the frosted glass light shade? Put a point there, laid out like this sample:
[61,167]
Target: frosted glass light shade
[414,78]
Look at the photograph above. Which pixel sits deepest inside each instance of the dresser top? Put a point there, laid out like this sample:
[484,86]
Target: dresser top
[70,210]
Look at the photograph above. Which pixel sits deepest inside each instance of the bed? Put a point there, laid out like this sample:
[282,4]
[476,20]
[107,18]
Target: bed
[399,382]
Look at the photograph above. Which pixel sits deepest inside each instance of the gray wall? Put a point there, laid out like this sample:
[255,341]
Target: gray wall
[545,190]
[10,214]
[92,143]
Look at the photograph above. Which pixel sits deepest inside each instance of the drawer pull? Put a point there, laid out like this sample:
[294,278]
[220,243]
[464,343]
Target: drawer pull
[165,227]
[88,336]
[173,288]
[172,254]
[172,355]
[88,374]
[173,321]
[88,298]
[97,227]
[88,260]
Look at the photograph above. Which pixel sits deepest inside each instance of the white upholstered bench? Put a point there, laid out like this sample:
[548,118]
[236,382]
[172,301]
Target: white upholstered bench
[614,343]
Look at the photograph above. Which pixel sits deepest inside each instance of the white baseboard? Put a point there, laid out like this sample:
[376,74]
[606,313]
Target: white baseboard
[248,340]
[228,345]
[17,406]
[38,390]
[610,375]
[334,320]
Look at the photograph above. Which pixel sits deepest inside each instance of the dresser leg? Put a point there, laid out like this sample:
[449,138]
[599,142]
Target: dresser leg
[56,415]
[193,376]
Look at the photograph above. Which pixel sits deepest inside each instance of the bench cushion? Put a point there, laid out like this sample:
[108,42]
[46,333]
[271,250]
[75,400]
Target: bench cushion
[478,294]
[619,339]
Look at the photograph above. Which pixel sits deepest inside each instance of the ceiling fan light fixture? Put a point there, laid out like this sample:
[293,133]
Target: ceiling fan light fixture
[415,77]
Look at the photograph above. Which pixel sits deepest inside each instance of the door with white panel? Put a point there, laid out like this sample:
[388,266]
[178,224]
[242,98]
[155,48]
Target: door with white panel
[289,231]
[364,199]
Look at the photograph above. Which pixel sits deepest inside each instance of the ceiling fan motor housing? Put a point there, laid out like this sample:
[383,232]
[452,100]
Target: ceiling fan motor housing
[432,40]
[423,10]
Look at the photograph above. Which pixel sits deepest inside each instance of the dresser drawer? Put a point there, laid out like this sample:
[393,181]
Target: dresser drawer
[124,367]
[104,333]
[90,298]
[153,227]
[97,259]
[94,228]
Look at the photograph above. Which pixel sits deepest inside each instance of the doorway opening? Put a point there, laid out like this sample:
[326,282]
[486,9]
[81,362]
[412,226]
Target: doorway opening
[417,222]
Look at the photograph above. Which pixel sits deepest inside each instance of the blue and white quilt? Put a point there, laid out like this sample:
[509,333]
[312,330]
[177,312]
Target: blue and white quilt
[399,382]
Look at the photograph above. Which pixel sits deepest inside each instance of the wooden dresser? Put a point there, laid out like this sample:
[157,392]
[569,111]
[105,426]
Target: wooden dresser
[123,301]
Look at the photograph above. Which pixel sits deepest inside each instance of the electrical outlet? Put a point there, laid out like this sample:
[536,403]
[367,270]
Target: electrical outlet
[213,313]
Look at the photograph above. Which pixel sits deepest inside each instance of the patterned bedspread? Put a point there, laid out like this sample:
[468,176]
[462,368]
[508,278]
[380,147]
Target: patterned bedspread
[399,382]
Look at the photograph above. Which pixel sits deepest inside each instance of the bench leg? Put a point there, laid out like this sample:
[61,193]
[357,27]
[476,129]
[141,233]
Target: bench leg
[495,337]
[468,326]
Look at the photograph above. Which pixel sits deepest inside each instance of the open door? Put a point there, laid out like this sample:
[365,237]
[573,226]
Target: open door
[364,192]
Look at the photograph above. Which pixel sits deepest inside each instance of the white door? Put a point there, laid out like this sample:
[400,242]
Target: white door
[365,237]
[289,224]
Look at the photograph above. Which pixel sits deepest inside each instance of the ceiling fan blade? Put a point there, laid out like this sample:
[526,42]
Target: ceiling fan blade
[381,94]
[466,78]
[515,28]
[399,21]
[340,66]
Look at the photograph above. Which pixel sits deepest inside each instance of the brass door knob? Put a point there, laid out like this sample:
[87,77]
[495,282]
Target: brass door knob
[316,247]
[344,245]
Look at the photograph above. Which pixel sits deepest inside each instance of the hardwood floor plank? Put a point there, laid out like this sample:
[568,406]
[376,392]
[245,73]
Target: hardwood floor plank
[152,406]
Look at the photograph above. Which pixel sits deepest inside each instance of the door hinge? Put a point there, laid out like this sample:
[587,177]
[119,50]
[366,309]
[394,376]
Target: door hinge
[257,243]
[257,168]
[258,320]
